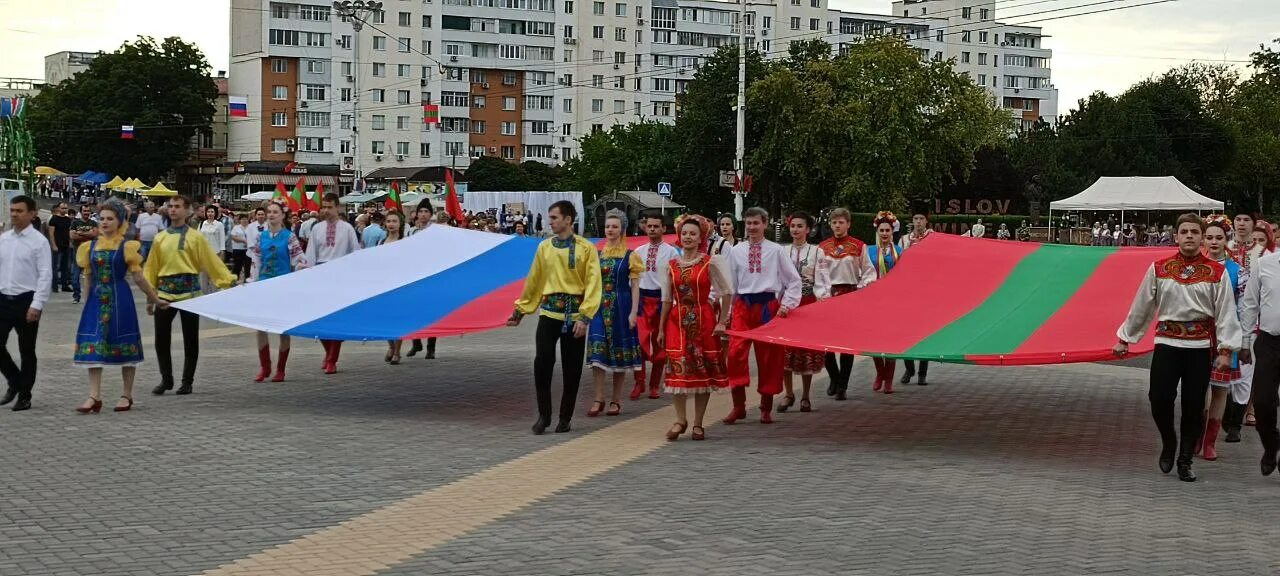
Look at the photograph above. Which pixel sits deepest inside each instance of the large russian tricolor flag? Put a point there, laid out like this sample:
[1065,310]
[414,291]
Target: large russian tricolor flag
[443,281]
[238,106]
[973,300]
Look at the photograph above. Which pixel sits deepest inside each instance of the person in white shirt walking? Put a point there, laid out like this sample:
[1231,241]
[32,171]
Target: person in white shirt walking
[1261,308]
[657,255]
[331,239]
[149,224]
[26,279]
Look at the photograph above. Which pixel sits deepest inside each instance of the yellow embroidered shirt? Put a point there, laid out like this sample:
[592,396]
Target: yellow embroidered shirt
[196,256]
[132,251]
[553,275]
[617,251]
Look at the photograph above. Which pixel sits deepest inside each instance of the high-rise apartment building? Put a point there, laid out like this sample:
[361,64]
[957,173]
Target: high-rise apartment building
[524,79]
[62,65]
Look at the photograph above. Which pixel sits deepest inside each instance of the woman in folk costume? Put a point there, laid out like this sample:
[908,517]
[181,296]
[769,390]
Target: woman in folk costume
[108,334]
[806,363]
[1221,381]
[394,224]
[276,252]
[691,329]
[613,345]
[884,256]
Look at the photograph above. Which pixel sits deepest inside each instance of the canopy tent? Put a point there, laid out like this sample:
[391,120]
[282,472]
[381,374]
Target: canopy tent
[262,195]
[1135,193]
[134,184]
[159,190]
[91,177]
[362,198]
[114,184]
[534,202]
[48,171]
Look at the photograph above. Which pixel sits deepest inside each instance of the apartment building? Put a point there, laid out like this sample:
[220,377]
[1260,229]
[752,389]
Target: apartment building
[517,79]
[1010,61]
[62,65]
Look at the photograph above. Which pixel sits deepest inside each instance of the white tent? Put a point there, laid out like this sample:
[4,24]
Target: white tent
[1135,193]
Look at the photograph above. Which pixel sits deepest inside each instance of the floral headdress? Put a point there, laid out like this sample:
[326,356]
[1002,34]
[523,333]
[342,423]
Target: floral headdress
[1219,220]
[1270,233]
[703,224]
[884,217]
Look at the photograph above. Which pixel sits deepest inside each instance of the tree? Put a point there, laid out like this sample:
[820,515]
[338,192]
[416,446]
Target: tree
[493,174]
[163,90]
[626,157]
[539,176]
[1255,116]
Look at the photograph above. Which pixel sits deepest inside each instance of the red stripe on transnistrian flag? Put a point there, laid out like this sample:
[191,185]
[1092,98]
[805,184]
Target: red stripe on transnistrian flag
[1068,335]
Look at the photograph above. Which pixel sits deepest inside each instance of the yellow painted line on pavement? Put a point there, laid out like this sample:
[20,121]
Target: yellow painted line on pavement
[396,533]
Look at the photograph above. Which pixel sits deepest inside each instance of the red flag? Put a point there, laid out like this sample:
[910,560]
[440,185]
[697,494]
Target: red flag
[309,202]
[393,198]
[299,192]
[451,204]
[281,191]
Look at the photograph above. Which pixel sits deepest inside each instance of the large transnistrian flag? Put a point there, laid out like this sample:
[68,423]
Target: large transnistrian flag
[443,281]
[973,300]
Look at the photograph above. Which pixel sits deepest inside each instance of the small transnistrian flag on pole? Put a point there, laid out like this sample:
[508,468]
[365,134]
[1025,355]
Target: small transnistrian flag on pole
[431,113]
[238,106]
[126,132]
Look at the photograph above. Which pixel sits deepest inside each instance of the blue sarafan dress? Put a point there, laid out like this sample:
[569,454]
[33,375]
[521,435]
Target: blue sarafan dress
[612,344]
[108,334]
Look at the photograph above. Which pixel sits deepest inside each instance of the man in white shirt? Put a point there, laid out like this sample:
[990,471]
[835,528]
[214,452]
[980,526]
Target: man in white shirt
[254,229]
[657,255]
[149,224]
[26,278]
[1261,308]
[766,285]
[331,239]
[422,217]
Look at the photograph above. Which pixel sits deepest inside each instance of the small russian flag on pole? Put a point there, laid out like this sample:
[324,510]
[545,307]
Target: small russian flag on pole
[126,132]
[238,106]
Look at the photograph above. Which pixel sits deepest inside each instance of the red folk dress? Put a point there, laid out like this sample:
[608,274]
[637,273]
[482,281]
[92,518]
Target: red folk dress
[695,359]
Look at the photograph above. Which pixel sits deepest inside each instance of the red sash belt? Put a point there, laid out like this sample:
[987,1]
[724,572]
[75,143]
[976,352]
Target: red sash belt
[1186,329]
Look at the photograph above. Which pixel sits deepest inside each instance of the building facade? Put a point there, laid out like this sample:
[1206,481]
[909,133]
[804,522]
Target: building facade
[518,79]
[62,65]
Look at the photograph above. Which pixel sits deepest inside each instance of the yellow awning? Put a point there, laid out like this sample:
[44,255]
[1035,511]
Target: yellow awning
[159,190]
[48,171]
[114,184]
[134,184]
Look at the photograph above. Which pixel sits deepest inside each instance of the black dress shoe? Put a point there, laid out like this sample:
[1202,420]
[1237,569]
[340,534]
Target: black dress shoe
[540,426]
[1268,463]
[922,382]
[840,395]
[22,404]
[1185,474]
[161,388]
[1232,437]
[183,389]
[415,348]
[831,388]
[562,427]
[8,396]
[1166,461]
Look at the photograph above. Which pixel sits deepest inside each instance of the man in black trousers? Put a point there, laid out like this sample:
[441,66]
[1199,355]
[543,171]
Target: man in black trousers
[1261,308]
[26,278]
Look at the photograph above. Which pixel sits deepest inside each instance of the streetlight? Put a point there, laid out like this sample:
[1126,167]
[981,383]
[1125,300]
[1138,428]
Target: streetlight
[356,11]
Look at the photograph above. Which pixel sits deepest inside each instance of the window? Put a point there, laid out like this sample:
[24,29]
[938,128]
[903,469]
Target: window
[597,8]
[379,122]
[795,21]
[402,96]
[619,106]
[403,44]
[283,37]
[982,37]
[982,60]
[966,36]
[508,128]
[597,80]
[539,127]
[278,145]
[380,17]
[315,38]
[279,65]
[964,57]
[620,34]
[568,105]
[620,10]
[448,124]
[313,144]
[510,52]
[597,128]
[279,93]
[477,126]
[377,147]
[379,42]
[346,68]
[344,146]
[405,19]
[426,47]
[568,7]
[813,23]
[661,84]
[315,66]
[379,69]
[768,20]
[984,14]
[453,149]
[662,108]
[344,94]
[938,36]
[279,11]
[509,79]
[279,119]
[568,31]
[597,56]
[508,102]
[456,99]
[379,95]
[619,57]
[538,150]
[426,20]
[508,152]
[536,102]
[565,128]
[424,149]
[402,148]
[966,12]
[404,70]
[344,121]
[316,92]
[478,101]
[815,3]
[345,42]
[538,78]
[982,79]
[597,105]
[1010,81]
[453,73]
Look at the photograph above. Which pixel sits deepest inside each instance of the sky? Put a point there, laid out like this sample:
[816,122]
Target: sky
[1107,52]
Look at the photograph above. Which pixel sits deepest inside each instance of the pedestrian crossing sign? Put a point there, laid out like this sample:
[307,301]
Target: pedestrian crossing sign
[664,189]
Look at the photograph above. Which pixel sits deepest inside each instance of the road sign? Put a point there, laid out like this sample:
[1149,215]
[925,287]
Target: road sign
[728,178]
[664,189]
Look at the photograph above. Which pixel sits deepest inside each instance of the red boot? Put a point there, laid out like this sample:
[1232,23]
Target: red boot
[1205,434]
[739,411]
[879,375]
[888,375]
[638,390]
[766,408]
[336,348]
[655,379]
[264,361]
[1211,439]
[284,359]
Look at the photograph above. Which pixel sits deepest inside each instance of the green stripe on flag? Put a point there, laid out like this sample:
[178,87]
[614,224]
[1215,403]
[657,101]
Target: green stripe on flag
[1035,289]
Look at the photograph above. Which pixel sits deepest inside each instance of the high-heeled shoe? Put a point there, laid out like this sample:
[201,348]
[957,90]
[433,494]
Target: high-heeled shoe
[805,405]
[596,408]
[614,409]
[126,407]
[699,433]
[788,401]
[676,430]
[93,406]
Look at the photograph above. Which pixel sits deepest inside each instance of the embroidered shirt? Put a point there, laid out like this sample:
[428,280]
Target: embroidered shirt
[165,259]
[656,258]
[841,260]
[1177,290]
[759,267]
[554,275]
[330,241]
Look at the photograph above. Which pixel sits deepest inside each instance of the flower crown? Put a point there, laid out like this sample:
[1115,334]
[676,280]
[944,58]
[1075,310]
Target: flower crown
[704,226]
[1220,220]
[884,217]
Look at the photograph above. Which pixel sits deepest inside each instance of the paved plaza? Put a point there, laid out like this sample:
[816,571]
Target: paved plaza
[429,468]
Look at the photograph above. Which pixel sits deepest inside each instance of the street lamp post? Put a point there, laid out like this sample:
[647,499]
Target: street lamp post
[356,11]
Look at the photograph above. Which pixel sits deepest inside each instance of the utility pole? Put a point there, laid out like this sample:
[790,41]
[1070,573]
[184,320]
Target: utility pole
[738,163]
[356,11]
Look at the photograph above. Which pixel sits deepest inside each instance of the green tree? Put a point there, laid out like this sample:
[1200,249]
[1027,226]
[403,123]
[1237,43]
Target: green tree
[493,174]
[1256,120]
[539,176]
[162,89]
[626,157]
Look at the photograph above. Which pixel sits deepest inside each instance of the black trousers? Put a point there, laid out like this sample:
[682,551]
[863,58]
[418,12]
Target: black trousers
[911,368]
[839,371]
[190,344]
[1169,367]
[1266,389]
[240,262]
[13,316]
[572,350]
[62,268]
